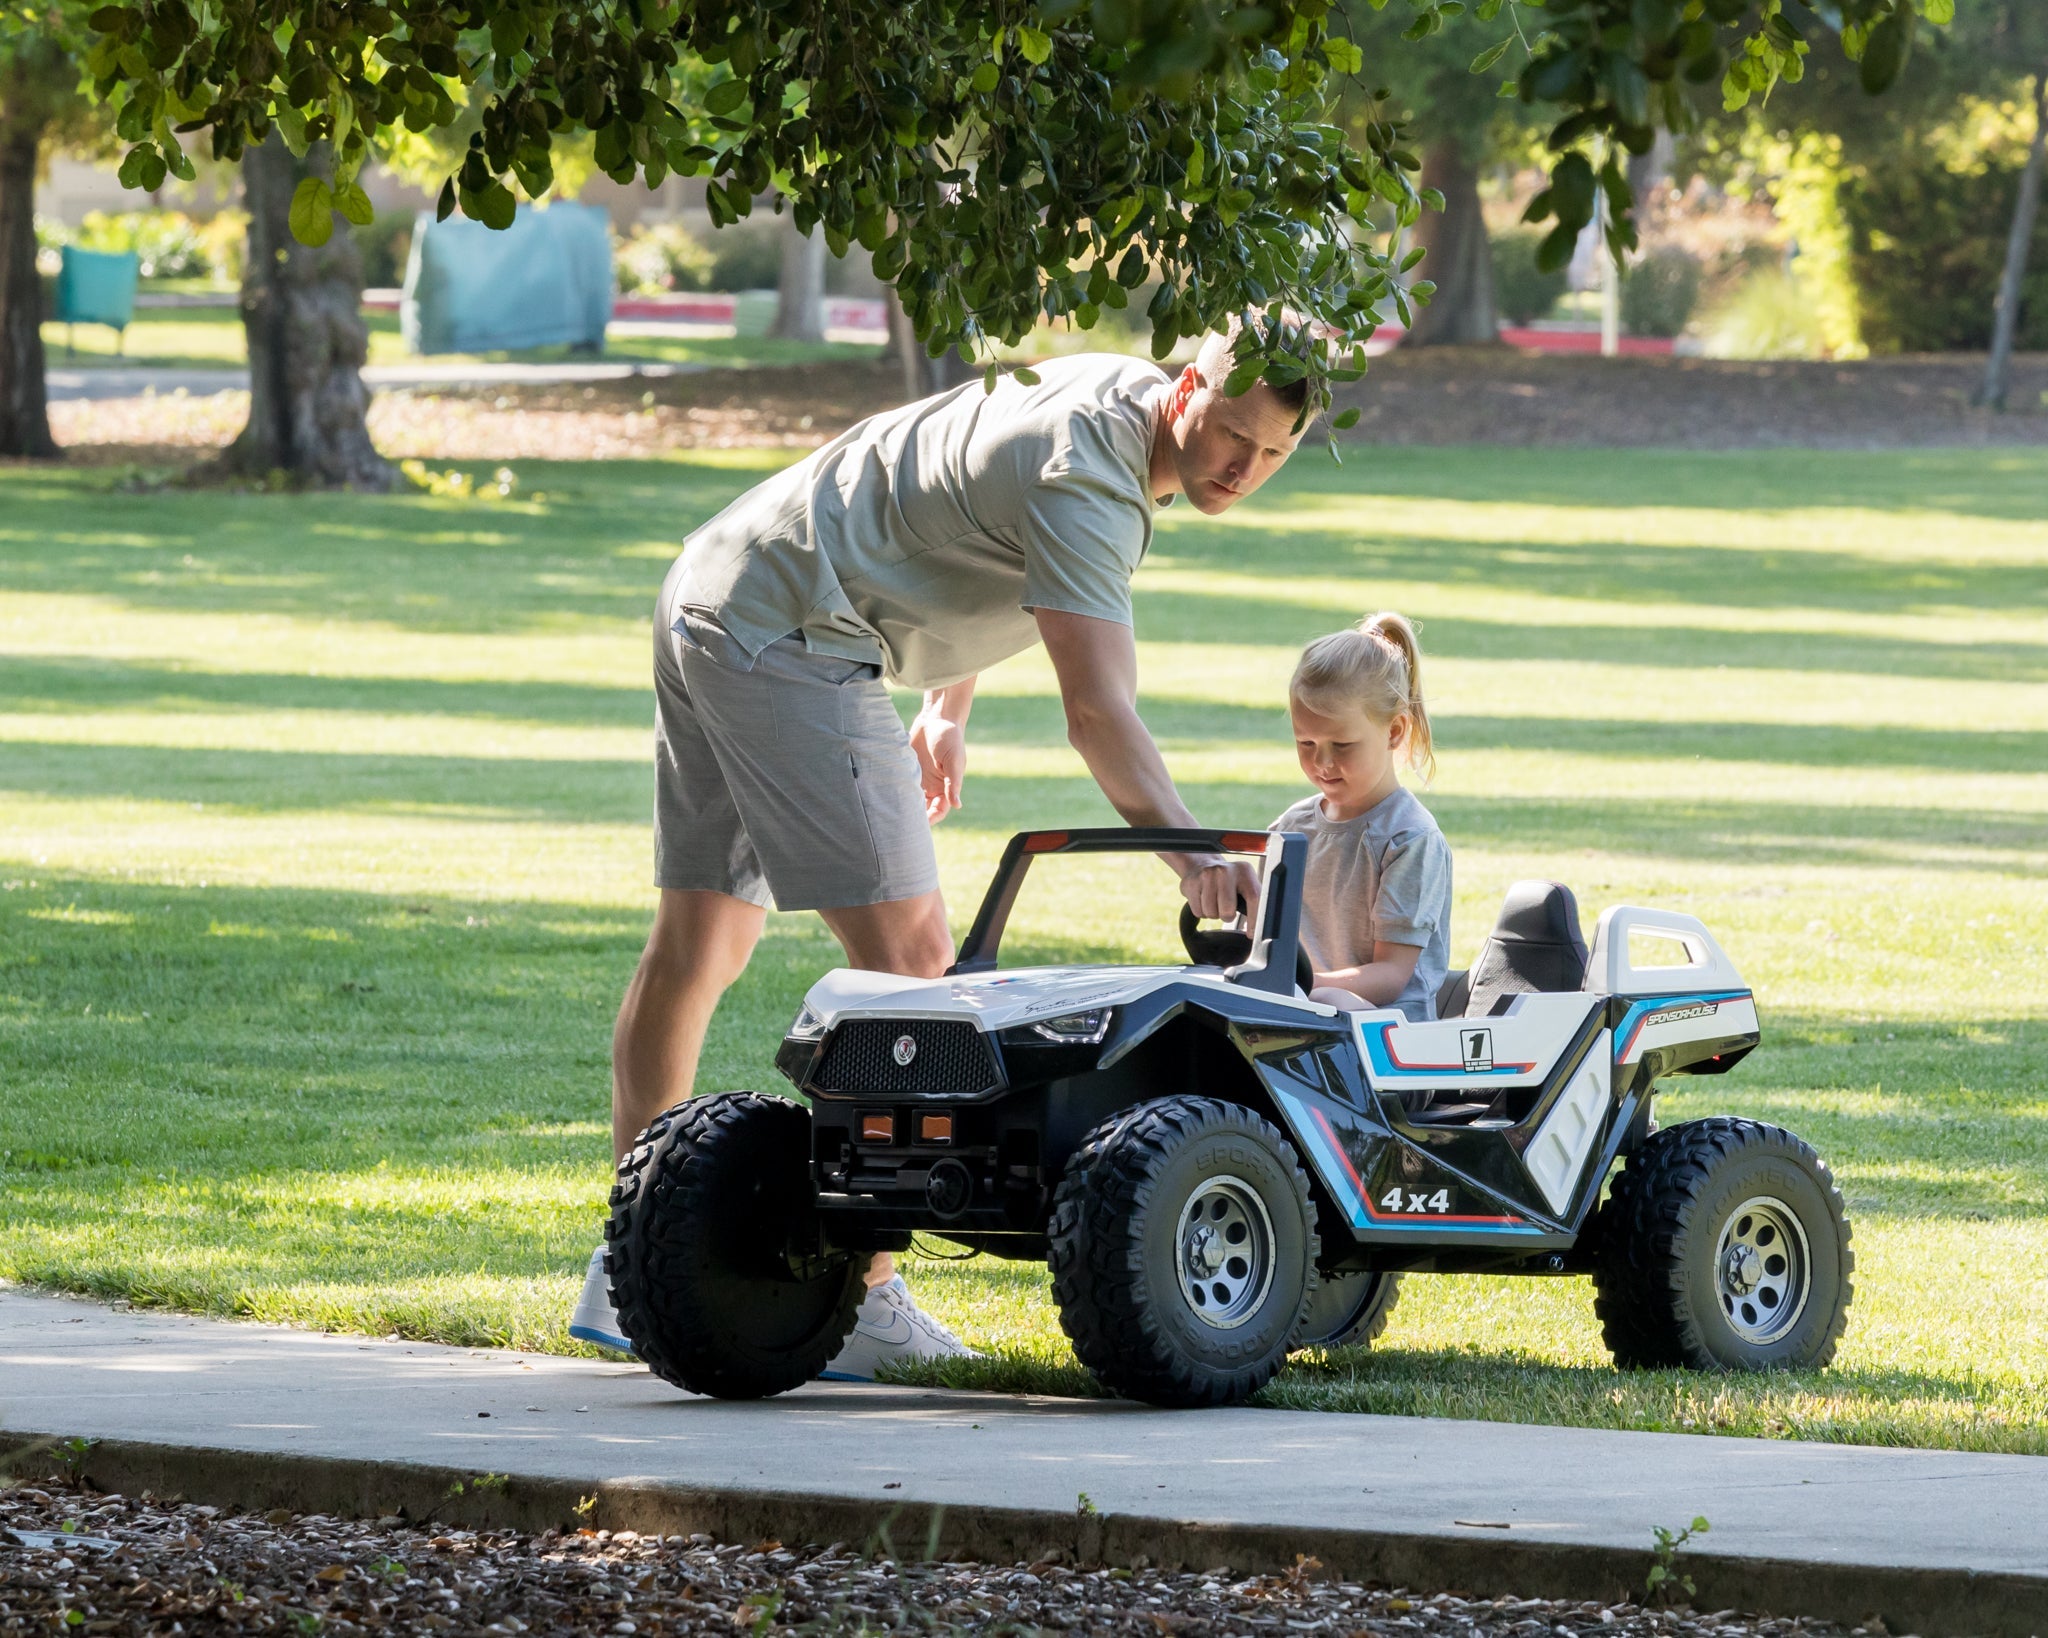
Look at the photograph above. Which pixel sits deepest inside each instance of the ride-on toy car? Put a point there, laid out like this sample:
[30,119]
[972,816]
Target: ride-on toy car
[1220,1170]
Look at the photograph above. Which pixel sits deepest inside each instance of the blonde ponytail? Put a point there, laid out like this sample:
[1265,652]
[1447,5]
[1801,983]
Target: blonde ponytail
[1375,667]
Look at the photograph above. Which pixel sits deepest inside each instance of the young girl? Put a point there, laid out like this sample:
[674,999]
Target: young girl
[1376,905]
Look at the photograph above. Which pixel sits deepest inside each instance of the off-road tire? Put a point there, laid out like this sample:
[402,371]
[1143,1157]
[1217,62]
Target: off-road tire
[1349,1310]
[1658,1237]
[716,1266]
[1115,1257]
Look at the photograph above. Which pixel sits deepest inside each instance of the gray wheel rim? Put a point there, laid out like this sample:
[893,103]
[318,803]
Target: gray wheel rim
[1223,1252]
[1763,1272]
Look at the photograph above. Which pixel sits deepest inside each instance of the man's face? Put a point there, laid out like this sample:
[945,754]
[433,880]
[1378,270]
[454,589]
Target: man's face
[1224,448]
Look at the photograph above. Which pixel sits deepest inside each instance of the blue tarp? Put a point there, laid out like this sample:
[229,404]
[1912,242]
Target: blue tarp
[544,281]
[97,287]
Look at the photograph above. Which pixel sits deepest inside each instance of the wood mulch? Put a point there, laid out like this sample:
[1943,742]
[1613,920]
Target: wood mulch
[75,1561]
[1495,396]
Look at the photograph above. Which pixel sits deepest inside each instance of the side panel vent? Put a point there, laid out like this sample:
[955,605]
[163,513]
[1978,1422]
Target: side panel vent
[1557,1153]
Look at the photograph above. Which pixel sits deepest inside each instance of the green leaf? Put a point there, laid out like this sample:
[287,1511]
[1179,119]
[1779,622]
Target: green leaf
[1196,160]
[1034,43]
[312,212]
[1025,374]
[1491,55]
[444,207]
[1884,53]
[496,206]
[291,125]
[1344,419]
[725,96]
[1939,12]
[985,80]
[1343,56]
[355,204]
[130,173]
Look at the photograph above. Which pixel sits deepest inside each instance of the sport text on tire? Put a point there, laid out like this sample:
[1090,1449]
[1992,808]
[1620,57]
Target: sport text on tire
[1183,1251]
[1349,1310]
[719,1274]
[1723,1244]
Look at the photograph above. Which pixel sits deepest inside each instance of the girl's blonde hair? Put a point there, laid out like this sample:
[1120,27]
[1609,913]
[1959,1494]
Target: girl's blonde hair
[1375,667]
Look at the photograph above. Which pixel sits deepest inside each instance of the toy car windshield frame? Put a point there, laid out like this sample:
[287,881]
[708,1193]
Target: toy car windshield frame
[1271,965]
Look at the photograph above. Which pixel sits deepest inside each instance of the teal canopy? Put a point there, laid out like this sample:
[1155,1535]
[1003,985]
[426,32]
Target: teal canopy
[544,281]
[97,287]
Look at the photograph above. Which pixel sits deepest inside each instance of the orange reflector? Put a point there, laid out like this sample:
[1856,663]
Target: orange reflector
[878,1128]
[935,1128]
[1045,841]
[1246,841]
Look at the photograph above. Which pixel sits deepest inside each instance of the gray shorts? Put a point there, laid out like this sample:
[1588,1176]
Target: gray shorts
[793,776]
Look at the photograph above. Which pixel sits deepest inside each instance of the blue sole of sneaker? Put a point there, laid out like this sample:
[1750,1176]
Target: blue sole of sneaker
[604,1339]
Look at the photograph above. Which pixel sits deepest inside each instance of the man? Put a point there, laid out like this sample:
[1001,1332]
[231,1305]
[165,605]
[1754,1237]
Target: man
[923,545]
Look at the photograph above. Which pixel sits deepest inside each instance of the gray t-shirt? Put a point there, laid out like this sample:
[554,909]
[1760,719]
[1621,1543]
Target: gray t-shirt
[1384,877]
[923,538]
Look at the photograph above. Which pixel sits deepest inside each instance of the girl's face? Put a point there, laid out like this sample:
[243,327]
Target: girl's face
[1351,758]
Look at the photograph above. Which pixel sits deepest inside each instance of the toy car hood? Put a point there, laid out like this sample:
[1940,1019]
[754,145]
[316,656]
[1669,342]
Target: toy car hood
[991,1001]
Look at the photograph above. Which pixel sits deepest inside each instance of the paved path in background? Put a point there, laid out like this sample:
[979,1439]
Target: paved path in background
[136,380]
[1458,1489]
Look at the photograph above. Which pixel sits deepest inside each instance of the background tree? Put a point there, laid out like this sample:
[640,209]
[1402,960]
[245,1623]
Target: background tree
[1460,124]
[1002,162]
[41,109]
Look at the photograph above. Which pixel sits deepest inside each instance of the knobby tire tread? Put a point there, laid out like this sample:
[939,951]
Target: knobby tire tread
[1638,1275]
[1097,1277]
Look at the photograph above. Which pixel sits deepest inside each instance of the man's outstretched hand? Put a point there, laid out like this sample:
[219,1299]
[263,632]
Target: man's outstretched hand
[941,747]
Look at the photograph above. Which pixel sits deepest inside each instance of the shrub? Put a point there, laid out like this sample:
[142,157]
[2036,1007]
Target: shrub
[167,243]
[748,255]
[1926,247]
[225,239]
[1522,291]
[1770,315]
[661,256]
[1659,292]
[385,244]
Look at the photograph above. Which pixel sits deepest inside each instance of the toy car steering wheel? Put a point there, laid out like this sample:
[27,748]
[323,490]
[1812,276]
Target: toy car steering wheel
[1232,946]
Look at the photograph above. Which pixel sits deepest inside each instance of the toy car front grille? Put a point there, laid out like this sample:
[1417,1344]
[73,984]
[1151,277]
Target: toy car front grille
[865,1055]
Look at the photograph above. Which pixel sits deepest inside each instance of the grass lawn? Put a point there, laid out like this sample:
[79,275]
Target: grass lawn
[211,338]
[323,860]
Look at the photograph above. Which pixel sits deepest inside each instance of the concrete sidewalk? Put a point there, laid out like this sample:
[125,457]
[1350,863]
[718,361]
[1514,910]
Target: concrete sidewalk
[257,1415]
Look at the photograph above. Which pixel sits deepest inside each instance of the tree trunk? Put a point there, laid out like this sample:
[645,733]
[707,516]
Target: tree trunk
[24,401]
[302,312]
[923,375]
[1460,260]
[800,291]
[2006,313]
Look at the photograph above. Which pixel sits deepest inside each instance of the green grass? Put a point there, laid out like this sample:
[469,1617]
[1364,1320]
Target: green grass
[211,338]
[323,860]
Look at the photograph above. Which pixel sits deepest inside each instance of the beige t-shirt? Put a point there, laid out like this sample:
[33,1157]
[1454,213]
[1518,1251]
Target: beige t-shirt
[924,537]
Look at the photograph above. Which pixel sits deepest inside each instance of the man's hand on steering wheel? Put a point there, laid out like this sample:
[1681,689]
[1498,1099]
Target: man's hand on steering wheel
[1214,887]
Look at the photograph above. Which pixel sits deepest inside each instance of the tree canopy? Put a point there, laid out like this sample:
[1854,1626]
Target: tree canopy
[1001,161]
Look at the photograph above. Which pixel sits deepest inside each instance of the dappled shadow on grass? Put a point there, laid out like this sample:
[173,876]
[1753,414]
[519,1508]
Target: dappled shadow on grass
[52,684]
[1866,1407]
[214,1094]
[1236,617]
[2004,483]
[1199,725]
[1683,826]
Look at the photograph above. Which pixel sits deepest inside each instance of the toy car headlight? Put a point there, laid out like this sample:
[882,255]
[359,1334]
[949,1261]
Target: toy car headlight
[1076,1028]
[808,1026]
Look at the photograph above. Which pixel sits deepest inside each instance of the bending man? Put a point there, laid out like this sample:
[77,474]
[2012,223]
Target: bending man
[921,546]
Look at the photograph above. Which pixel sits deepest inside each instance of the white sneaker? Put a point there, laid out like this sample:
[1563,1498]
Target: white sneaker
[594,1319]
[891,1326]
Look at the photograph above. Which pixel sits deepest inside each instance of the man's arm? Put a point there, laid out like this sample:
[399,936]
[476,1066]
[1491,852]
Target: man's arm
[939,737]
[1096,662]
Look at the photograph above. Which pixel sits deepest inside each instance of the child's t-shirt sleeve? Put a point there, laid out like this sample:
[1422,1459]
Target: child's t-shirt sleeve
[1414,897]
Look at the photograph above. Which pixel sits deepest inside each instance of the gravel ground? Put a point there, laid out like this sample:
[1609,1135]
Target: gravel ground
[136,1565]
[1444,395]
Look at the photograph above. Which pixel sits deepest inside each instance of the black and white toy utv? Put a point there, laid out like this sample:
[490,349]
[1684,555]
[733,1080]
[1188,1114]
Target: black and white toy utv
[1220,1170]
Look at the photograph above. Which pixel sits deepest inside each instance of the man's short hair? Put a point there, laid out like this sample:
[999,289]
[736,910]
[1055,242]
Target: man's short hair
[1223,350]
